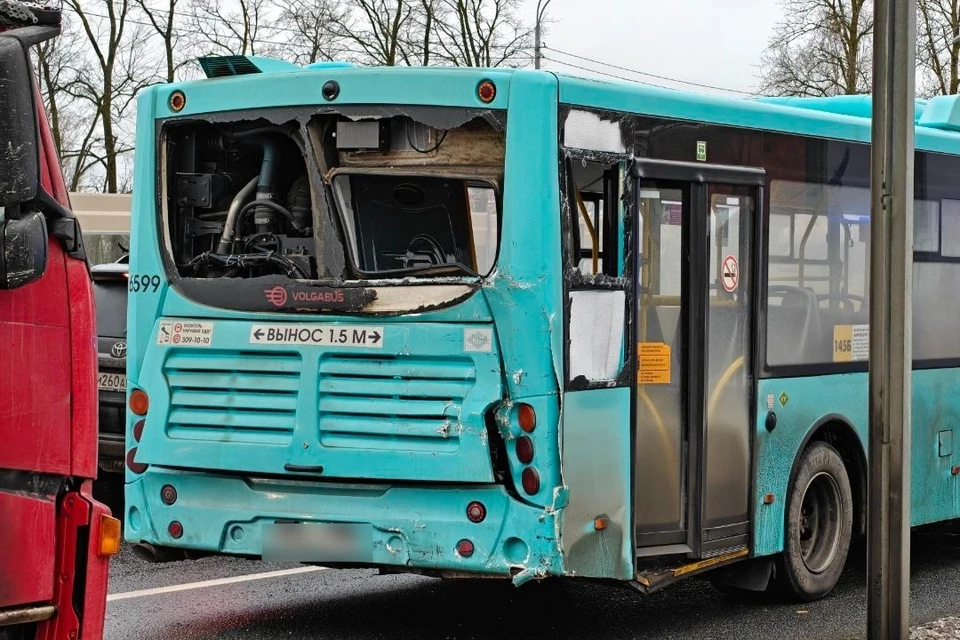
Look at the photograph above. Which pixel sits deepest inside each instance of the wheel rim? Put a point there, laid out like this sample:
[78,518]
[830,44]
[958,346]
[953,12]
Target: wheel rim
[820,522]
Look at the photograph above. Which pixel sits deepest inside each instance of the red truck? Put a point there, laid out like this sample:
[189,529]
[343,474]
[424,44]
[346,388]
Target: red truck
[55,539]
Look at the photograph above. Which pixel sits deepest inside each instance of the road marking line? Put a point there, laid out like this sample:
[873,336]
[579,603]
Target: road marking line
[211,583]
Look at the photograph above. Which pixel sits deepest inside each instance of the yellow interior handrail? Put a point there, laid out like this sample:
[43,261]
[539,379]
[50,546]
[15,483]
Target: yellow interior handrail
[594,241]
[734,367]
[665,442]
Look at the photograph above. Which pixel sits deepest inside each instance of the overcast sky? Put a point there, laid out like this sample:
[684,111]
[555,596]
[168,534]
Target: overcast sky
[713,42]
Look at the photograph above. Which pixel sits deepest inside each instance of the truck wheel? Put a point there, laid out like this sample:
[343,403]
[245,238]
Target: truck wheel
[819,525]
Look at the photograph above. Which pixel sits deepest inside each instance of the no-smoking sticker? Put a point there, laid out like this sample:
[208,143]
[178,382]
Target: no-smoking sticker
[730,274]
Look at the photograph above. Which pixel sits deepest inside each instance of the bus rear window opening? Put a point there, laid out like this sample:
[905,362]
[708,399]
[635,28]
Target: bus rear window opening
[332,198]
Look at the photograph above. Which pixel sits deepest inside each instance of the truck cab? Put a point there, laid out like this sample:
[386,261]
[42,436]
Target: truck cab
[56,540]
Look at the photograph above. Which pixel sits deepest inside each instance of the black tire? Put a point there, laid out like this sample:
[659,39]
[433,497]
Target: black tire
[818,527]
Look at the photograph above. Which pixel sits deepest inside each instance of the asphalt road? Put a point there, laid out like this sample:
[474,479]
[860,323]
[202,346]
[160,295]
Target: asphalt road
[361,605]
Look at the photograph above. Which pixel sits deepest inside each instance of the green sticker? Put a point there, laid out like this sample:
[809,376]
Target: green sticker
[783,398]
[702,150]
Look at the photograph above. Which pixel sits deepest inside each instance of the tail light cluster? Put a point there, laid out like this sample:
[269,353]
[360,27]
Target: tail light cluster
[526,417]
[139,404]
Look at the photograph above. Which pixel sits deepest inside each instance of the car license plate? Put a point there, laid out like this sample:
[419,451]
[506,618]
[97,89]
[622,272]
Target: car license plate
[112,382]
[317,542]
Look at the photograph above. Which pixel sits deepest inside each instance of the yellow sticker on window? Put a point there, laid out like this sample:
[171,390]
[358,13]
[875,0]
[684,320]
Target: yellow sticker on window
[653,360]
[851,342]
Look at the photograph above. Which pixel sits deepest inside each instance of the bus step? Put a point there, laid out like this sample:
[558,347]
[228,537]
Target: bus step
[648,582]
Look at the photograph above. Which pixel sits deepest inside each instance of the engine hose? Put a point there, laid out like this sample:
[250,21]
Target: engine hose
[269,204]
[263,218]
[230,226]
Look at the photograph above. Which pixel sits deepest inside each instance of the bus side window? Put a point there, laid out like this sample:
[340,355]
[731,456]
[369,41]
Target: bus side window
[594,203]
[597,334]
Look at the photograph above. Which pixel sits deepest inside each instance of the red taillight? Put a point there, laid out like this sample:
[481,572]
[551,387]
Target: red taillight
[476,512]
[524,449]
[133,465]
[465,548]
[486,91]
[530,480]
[168,494]
[526,417]
[177,101]
[175,529]
[138,429]
[139,402]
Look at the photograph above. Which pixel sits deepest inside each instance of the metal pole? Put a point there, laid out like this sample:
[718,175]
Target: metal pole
[538,30]
[891,266]
[536,44]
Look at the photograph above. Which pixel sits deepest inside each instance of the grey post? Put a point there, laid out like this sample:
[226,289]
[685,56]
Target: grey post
[538,30]
[891,266]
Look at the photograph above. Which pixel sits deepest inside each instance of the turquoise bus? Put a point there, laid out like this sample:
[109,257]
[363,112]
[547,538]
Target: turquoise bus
[509,323]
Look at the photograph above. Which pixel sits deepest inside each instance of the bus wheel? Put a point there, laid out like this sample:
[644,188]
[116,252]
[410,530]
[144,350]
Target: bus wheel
[819,525]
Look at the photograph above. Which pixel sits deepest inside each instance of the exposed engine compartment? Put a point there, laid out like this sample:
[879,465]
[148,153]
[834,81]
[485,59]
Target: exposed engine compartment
[242,200]
[333,195]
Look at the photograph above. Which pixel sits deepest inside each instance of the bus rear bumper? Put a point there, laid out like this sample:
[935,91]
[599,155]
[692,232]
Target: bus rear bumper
[414,527]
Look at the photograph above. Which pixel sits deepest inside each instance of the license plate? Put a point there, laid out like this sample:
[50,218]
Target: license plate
[317,542]
[112,382]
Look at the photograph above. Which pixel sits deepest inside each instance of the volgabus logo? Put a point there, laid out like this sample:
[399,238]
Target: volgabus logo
[277,296]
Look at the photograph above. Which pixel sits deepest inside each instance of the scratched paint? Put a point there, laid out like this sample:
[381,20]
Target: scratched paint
[596,467]
[935,491]
[520,536]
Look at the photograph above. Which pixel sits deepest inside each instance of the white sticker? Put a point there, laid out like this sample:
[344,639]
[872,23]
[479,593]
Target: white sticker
[327,335]
[478,340]
[770,402]
[182,333]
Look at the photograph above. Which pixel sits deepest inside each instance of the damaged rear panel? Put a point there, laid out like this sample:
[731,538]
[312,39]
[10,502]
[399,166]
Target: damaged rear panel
[342,286]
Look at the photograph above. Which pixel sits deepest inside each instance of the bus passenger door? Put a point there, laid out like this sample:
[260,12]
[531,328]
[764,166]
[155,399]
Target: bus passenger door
[694,320]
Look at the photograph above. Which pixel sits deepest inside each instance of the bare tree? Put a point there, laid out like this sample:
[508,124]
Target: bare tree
[73,124]
[311,29]
[233,28]
[117,74]
[938,25]
[483,33]
[376,31]
[56,70]
[427,15]
[822,48]
[164,23]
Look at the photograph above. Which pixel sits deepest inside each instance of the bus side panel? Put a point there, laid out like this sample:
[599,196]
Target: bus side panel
[935,491]
[143,306]
[935,450]
[799,404]
[530,243]
[596,469]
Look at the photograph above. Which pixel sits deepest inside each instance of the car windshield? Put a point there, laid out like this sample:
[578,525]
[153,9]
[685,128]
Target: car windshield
[423,224]
[111,300]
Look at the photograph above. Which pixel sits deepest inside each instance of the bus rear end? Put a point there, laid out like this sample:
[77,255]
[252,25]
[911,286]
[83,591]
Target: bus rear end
[341,343]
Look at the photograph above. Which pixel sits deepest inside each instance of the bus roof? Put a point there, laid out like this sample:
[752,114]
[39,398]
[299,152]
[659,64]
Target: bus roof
[840,117]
